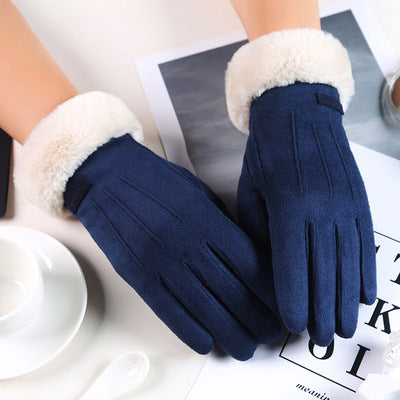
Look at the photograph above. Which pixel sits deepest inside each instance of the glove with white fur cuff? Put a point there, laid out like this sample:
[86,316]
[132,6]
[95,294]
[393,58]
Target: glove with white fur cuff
[300,194]
[161,228]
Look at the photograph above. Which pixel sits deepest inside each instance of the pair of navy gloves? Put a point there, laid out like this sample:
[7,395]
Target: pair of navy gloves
[305,249]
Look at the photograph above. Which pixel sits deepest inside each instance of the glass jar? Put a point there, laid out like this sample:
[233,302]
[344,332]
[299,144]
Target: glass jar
[390,100]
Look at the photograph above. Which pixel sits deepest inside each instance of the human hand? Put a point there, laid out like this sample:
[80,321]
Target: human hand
[300,195]
[161,228]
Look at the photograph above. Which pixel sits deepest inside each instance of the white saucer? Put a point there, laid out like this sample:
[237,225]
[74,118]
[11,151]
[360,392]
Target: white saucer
[64,305]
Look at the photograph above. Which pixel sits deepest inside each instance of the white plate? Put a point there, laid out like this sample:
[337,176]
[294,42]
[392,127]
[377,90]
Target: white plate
[64,305]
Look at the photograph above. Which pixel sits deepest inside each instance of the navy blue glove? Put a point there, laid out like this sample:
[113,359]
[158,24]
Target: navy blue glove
[301,196]
[165,233]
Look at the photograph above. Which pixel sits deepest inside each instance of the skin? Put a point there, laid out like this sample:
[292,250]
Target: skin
[31,83]
[260,17]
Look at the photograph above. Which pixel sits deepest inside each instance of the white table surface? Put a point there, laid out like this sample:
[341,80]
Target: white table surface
[95,42]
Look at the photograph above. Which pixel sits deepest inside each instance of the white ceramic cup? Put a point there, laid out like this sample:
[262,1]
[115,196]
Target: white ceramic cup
[21,286]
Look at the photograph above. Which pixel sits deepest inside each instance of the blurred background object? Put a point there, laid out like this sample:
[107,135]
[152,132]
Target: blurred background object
[390,100]
[396,94]
[5,151]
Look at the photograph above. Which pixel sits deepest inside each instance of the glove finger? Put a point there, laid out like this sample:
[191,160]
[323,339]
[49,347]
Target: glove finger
[246,260]
[321,253]
[240,346]
[368,259]
[290,265]
[217,276]
[364,221]
[222,326]
[249,260]
[347,279]
[253,218]
[134,226]
[176,316]
[164,303]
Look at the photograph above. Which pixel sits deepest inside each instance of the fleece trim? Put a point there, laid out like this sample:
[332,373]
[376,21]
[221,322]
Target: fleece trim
[63,140]
[282,58]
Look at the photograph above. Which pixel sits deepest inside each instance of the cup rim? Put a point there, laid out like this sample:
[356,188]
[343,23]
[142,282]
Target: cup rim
[37,278]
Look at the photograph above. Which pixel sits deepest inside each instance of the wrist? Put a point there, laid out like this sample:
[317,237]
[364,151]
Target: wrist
[63,140]
[283,58]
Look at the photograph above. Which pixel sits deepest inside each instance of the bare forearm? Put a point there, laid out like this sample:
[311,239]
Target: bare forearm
[31,83]
[260,17]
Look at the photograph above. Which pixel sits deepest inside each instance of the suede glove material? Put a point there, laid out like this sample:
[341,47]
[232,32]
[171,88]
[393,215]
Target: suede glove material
[166,234]
[301,197]
[162,229]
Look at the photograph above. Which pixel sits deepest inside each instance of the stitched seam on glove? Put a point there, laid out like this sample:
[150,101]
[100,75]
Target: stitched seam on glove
[322,158]
[300,178]
[265,181]
[168,288]
[338,278]
[213,252]
[311,247]
[144,193]
[342,160]
[134,217]
[215,300]
[361,260]
[117,234]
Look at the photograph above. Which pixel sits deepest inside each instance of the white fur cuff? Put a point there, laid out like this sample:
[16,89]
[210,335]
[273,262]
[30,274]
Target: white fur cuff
[63,140]
[280,59]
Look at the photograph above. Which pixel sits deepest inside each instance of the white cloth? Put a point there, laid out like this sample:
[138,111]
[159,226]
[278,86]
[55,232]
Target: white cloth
[385,386]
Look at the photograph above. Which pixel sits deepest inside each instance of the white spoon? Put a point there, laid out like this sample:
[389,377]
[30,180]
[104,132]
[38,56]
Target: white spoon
[120,377]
